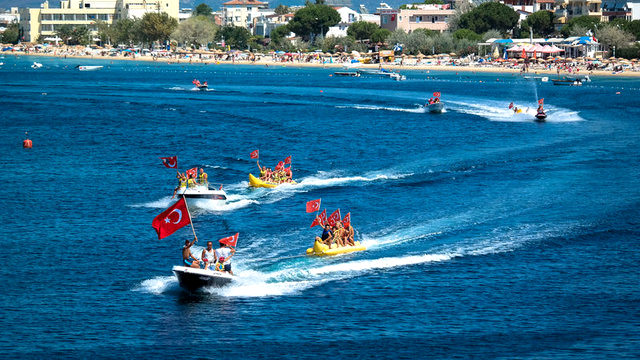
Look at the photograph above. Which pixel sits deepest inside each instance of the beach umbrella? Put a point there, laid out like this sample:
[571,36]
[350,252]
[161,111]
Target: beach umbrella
[452,54]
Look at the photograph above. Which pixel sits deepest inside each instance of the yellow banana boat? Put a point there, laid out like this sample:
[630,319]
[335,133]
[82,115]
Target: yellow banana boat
[257,183]
[321,249]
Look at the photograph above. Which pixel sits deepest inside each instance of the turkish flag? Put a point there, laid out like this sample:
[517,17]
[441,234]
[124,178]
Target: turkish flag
[255,154]
[192,172]
[322,217]
[436,94]
[230,240]
[313,206]
[541,101]
[171,219]
[288,160]
[279,166]
[171,162]
[334,218]
[347,220]
[524,54]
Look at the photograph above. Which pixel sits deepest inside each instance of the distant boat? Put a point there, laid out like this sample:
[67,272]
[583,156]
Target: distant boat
[89,67]
[569,81]
[347,73]
[36,65]
[435,108]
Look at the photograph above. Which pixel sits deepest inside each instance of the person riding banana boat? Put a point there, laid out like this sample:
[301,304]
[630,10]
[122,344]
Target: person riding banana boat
[272,178]
[515,108]
[336,239]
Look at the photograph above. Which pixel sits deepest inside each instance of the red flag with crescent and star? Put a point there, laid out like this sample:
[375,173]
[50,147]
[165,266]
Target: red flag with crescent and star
[313,206]
[287,160]
[172,219]
[255,154]
[322,217]
[171,162]
[436,94]
[334,218]
[347,220]
[279,166]
[192,172]
[230,240]
[541,101]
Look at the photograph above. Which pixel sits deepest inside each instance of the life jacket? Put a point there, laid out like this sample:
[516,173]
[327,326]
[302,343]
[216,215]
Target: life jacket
[201,178]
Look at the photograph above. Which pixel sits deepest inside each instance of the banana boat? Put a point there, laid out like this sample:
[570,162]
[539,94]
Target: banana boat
[321,249]
[257,183]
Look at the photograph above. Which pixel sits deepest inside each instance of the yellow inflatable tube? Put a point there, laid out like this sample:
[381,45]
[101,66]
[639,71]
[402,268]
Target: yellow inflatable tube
[257,183]
[321,249]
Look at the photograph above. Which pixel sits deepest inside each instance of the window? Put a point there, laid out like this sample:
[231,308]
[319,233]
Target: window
[352,18]
[418,19]
[45,17]
[433,19]
[87,5]
[91,16]
[57,17]
[384,19]
[103,17]
[68,17]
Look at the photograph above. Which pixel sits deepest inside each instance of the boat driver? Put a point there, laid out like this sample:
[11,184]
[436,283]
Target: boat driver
[187,257]
[208,257]
[223,256]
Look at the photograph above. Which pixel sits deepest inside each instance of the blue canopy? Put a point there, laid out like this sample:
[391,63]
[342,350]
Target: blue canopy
[503,41]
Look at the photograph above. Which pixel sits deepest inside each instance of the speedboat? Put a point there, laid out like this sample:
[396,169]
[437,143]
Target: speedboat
[89,67]
[347,73]
[321,249]
[203,192]
[193,279]
[259,183]
[435,108]
[36,65]
[397,77]
[567,81]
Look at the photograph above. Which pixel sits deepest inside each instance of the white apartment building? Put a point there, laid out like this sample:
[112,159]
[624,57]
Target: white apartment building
[242,12]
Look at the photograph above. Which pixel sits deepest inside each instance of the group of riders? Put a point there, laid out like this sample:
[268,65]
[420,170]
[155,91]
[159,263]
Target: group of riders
[517,110]
[278,176]
[211,259]
[338,234]
[190,180]
[433,100]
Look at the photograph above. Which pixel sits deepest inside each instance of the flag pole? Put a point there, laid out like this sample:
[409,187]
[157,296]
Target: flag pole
[189,213]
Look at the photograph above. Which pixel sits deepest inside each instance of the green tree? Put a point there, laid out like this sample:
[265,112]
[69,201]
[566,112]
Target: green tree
[64,33]
[362,30]
[313,20]
[123,31]
[633,27]
[235,36]
[466,34]
[11,34]
[586,21]
[105,32]
[80,35]
[489,15]
[540,21]
[203,10]
[341,44]
[282,9]
[196,31]
[380,35]
[156,27]
[279,33]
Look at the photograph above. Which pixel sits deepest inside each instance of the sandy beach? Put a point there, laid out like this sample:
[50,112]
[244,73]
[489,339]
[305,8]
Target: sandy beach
[268,62]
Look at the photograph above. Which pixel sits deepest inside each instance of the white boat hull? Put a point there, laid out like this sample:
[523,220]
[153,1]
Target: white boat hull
[202,192]
[193,279]
[89,68]
[435,108]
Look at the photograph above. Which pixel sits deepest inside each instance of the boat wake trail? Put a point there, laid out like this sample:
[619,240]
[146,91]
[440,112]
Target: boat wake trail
[417,110]
[326,179]
[498,111]
[295,277]
[234,202]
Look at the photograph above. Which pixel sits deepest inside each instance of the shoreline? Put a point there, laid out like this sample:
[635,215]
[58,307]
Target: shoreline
[395,67]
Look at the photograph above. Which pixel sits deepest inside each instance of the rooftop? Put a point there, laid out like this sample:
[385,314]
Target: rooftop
[245,2]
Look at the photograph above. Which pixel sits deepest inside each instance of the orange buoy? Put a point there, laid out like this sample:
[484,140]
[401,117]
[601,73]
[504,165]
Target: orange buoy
[27,144]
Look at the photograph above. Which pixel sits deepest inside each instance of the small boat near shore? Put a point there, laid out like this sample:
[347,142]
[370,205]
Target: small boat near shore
[258,183]
[89,67]
[321,249]
[36,65]
[193,279]
[347,73]
[383,73]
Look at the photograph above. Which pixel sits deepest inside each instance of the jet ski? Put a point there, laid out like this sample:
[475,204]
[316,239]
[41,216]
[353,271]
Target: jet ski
[541,116]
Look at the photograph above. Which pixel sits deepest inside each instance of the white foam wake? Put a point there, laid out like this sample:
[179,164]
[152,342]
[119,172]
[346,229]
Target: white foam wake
[499,111]
[417,110]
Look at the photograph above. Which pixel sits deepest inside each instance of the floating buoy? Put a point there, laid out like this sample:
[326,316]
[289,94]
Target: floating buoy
[26,143]
[321,91]
[617,92]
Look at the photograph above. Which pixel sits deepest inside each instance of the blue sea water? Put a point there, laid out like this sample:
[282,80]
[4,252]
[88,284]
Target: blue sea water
[489,236]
